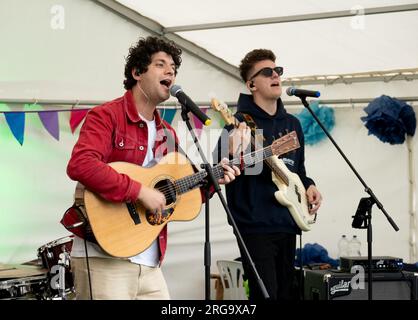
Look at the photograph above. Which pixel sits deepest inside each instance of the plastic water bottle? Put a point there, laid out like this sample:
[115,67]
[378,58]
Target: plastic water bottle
[343,246]
[354,247]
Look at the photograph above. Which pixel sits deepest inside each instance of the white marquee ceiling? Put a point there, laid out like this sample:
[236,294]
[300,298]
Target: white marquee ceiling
[361,43]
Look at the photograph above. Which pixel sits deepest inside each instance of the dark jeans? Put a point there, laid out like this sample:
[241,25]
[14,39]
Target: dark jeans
[273,256]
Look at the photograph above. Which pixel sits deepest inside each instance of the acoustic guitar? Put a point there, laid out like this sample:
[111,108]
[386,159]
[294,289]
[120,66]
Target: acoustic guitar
[126,229]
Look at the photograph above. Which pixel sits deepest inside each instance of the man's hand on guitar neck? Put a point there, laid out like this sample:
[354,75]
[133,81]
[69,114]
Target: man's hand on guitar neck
[314,199]
[229,172]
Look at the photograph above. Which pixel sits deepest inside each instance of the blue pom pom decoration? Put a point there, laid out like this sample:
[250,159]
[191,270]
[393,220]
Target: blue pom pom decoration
[312,131]
[389,119]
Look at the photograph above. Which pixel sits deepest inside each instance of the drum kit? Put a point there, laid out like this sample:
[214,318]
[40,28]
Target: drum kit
[47,278]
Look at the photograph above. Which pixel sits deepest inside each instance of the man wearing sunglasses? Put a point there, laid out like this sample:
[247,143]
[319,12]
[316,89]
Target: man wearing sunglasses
[267,227]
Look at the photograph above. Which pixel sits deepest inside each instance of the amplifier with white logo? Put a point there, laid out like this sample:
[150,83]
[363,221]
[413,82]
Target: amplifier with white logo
[337,285]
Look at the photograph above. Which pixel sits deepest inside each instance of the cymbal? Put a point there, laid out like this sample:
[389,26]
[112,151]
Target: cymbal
[10,271]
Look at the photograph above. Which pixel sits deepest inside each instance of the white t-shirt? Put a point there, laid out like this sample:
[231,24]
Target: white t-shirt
[150,256]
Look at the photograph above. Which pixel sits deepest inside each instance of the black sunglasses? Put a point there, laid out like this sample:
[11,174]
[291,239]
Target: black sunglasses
[268,72]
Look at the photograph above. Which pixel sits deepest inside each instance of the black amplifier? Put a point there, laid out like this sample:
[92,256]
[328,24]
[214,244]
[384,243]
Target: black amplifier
[379,264]
[337,285]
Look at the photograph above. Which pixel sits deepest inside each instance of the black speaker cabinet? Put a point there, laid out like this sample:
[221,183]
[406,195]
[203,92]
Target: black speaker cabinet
[335,285]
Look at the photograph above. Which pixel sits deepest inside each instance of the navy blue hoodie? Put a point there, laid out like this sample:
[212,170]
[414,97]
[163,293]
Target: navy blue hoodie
[251,197]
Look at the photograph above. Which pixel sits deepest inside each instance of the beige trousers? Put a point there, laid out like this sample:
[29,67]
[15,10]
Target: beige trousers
[117,279]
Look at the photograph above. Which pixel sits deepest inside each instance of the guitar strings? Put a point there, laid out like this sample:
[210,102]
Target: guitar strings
[183,182]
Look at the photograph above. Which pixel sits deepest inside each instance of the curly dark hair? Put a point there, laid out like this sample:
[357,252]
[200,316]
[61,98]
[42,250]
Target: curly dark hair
[140,54]
[252,58]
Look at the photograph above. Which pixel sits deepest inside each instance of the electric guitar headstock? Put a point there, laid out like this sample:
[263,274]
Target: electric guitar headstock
[225,112]
[287,143]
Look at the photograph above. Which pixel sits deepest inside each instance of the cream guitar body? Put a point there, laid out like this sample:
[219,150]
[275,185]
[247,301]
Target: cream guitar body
[292,194]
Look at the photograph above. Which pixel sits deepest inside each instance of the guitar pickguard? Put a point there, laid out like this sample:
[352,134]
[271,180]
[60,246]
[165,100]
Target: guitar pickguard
[158,217]
[165,185]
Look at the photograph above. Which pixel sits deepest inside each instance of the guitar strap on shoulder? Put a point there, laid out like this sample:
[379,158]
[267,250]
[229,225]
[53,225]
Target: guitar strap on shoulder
[256,137]
[251,123]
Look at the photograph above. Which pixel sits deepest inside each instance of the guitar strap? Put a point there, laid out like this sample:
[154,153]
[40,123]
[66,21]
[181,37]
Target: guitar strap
[251,123]
[256,137]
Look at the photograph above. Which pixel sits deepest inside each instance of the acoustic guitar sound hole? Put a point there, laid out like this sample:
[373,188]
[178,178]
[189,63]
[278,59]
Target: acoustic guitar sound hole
[167,188]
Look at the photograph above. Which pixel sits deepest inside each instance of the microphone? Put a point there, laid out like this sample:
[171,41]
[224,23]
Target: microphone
[292,91]
[185,101]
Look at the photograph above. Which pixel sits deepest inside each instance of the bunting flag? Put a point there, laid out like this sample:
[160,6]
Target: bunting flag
[76,117]
[16,122]
[29,106]
[50,121]
[168,114]
[198,124]
[219,119]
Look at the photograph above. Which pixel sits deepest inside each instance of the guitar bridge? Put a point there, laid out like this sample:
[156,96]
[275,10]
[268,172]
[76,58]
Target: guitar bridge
[133,213]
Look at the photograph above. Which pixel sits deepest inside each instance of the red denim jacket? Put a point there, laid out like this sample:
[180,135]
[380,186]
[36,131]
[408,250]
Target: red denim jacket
[112,132]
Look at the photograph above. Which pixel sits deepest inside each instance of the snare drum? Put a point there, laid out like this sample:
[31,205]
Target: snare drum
[26,288]
[57,253]
[50,252]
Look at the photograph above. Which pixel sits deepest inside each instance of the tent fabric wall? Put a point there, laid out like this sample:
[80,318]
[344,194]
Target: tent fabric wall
[85,61]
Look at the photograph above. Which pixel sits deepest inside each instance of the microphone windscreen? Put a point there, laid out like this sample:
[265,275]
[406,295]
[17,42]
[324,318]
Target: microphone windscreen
[174,89]
[289,91]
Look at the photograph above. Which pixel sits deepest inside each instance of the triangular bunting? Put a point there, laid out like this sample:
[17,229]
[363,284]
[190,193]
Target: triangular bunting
[76,117]
[29,106]
[168,114]
[198,124]
[16,122]
[50,121]
[219,119]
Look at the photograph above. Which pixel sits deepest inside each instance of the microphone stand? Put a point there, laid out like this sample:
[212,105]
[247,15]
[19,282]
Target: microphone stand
[363,217]
[212,181]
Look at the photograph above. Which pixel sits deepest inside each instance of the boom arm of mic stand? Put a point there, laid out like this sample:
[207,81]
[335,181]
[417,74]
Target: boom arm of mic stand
[366,187]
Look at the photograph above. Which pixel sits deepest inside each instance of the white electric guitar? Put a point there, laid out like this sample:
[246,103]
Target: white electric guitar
[292,192]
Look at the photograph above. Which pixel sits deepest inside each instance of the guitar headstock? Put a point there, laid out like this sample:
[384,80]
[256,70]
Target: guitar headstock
[287,143]
[224,110]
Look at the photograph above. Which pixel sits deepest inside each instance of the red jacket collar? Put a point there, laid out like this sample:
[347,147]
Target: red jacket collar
[132,112]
